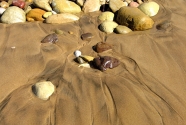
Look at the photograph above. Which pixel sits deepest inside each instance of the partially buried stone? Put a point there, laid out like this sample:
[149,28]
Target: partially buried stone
[80,60]
[35,15]
[51,38]
[122,29]
[86,36]
[134,18]
[57,31]
[13,15]
[43,90]
[105,62]
[108,26]
[61,18]
[19,3]
[102,46]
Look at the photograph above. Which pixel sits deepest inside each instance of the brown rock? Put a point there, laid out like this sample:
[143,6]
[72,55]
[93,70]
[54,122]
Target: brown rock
[115,5]
[87,36]
[105,62]
[102,46]
[134,18]
[51,38]
[35,15]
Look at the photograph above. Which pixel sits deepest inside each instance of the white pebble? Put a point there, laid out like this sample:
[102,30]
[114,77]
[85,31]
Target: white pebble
[77,53]
[2,10]
[53,12]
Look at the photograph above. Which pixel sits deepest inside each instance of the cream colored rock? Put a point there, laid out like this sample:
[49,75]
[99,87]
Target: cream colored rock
[64,6]
[80,2]
[61,18]
[91,6]
[13,15]
[43,90]
[134,18]
[108,26]
[47,14]
[2,10]
[149,8]
[106,16]
[122,29]
[115,5]
[44,4]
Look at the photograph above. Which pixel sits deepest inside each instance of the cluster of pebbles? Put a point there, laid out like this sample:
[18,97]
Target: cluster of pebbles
[118,15]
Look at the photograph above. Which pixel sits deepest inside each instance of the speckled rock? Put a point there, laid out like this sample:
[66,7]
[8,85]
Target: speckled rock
[149,8]
[13,15]
[44,4]
[63,6]
[61,18]
[35,15]
[115,5]
[134,18]
[91,6]
[106,16]
[108,26]
[122,29]
[43,90]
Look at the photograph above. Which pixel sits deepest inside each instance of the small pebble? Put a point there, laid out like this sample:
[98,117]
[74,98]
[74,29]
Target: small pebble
[70,32]
[86,36]
[57,31]
[47,14]
[19,3]
[2,10]
[80,60]
[133,4]
[77,53]
[51,38]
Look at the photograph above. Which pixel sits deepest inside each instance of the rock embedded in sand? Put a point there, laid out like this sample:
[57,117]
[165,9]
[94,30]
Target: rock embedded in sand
[51,38]
[4,4]
[108,26]
[43,4]
[18,3]
[150,8]
[122,29]
[43,90]
[35,15]
[80,60]
[91,6]
[64,6]
[106,16]
[115,5]
[61,18]
[86,36]
[13,15]
[102,46]
[134,18]
[105,62]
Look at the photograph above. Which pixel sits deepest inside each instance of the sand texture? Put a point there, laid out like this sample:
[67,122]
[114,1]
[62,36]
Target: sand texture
[147,88]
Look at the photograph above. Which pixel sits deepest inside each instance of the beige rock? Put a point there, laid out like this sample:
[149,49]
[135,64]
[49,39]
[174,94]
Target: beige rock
[91,6]
[63,6]
[80,2]
[122,29]
[149,8]
[4,4]
[115,5]
[47,14]
[106,16]
[134,18]
[43,90]
[44,4]
[108,26]
[13,15]
[61,18]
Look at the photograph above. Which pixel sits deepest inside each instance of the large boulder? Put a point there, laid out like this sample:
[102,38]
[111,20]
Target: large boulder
[134,18]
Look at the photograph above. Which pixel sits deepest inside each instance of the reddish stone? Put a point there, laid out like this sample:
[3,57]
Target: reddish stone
[102,46]
[19,3]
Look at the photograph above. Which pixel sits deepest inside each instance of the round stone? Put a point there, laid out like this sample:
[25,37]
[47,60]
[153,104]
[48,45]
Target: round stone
[149,8]
[106,16]
[43,90]
[108,26]
[13,15]
[77,53]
